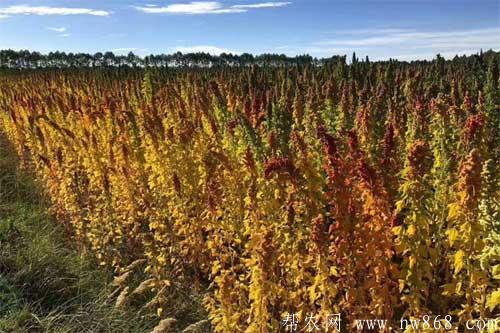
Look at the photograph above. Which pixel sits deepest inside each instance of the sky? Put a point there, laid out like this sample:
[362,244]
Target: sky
[381,29]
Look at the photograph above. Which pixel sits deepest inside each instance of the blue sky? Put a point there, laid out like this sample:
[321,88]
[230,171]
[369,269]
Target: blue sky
[404,29]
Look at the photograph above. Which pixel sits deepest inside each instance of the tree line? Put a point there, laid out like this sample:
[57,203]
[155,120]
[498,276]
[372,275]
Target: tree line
[25,59]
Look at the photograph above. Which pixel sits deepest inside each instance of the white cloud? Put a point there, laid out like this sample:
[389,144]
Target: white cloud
[206,7]
[319,51]
[45,10]
[56,29]
[192,8]
[214,50]
[431,39]
[398,43]
[371,31]
[4,16]
[127,50]
[263,5]
[430,56]
[60,30]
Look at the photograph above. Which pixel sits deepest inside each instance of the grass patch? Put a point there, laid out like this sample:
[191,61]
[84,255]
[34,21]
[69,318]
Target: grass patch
[45,285]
